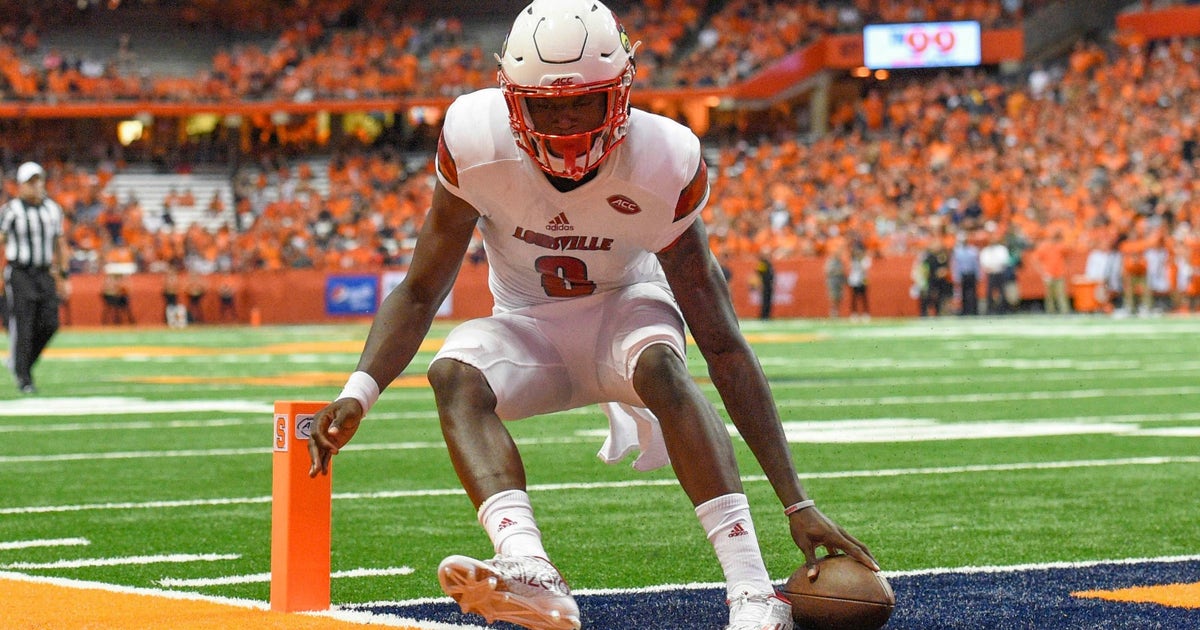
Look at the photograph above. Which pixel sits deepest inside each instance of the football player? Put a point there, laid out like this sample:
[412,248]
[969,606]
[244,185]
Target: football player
[589,211]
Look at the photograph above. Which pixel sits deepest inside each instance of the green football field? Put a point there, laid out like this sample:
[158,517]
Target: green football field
[145,461]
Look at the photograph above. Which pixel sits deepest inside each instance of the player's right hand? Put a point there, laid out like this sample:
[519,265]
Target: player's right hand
[332,428]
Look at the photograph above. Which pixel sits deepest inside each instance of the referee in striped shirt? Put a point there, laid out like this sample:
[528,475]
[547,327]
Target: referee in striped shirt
[35,254]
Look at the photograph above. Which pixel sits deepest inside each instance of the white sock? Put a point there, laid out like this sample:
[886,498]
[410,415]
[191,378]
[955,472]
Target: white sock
[726,521]
[507,517]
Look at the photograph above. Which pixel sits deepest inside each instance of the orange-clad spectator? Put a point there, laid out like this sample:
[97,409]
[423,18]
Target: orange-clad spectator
[1134,268]
[837,266]
[216,204]
[120,256]
[873,110]
[1085,57]
[1190,269]
[1049,260]
[30,41]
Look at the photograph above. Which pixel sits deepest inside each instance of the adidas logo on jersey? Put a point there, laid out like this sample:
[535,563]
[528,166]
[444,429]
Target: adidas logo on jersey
[560,224]
[738,530]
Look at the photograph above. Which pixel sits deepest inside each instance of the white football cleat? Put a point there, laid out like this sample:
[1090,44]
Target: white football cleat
[761,611]
[525,590]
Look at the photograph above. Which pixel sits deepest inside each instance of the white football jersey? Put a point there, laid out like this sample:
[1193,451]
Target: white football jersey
[544,245]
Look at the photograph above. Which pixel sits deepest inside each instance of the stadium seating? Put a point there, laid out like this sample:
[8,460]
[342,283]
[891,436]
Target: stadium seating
[152,189]
[782,194]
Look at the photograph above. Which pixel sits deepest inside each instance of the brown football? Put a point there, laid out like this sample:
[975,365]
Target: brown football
[845,596]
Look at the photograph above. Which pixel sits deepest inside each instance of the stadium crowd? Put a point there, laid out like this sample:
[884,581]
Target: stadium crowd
[396,50]
[1098,154]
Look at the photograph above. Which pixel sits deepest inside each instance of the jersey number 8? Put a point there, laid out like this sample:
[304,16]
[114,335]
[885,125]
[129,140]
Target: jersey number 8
[564,277]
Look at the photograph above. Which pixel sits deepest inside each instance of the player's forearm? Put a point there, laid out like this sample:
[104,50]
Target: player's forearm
[748,401]
[396,335]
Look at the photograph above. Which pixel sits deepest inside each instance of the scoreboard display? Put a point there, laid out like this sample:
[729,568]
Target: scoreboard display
[921,45]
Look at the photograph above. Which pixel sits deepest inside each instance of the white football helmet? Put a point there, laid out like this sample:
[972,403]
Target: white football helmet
[567,48]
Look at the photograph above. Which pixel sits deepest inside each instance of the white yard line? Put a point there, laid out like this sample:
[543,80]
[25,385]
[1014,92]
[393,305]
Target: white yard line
[258,451]
[45,542]
[1016,427]
[259,578]
[127,426]
[972,376]
[149,425]
[116,588]
[71,457]
[943,399]
[172,558]
[632,483]
[89,406]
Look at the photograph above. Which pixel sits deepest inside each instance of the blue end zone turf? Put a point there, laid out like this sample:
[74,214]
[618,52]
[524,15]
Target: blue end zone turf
[1041,599]
[1033,599]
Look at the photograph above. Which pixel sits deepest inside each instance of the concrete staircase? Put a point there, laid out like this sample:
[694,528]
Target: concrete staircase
[152,188]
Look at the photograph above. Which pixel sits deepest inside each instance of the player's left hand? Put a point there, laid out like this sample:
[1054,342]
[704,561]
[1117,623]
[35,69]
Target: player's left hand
[811,529]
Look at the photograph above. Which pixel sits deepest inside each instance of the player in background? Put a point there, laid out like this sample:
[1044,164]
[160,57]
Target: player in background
[597,259]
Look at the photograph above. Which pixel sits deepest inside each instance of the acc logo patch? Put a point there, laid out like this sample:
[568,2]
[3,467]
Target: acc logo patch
[304,426]
[624,204]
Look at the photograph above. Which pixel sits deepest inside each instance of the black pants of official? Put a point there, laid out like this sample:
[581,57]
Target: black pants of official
[997,302]
[969,287]
[32,299]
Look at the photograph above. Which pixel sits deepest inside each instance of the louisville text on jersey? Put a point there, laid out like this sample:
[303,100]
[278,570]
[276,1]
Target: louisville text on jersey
[564,243]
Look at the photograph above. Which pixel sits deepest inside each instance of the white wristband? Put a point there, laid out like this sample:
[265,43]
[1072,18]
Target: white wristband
[796,507]
[363,388]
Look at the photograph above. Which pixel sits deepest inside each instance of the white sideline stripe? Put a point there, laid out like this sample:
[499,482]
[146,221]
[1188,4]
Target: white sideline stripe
[266,577]
[399,494]
[368,617]
[45,542]
[172,558]
[1017,568]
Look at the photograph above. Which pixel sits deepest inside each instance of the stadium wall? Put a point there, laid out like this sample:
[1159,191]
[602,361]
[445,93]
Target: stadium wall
[304,296]
[1163,23]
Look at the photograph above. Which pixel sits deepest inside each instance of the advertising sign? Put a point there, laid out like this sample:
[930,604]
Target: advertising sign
[351,295]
